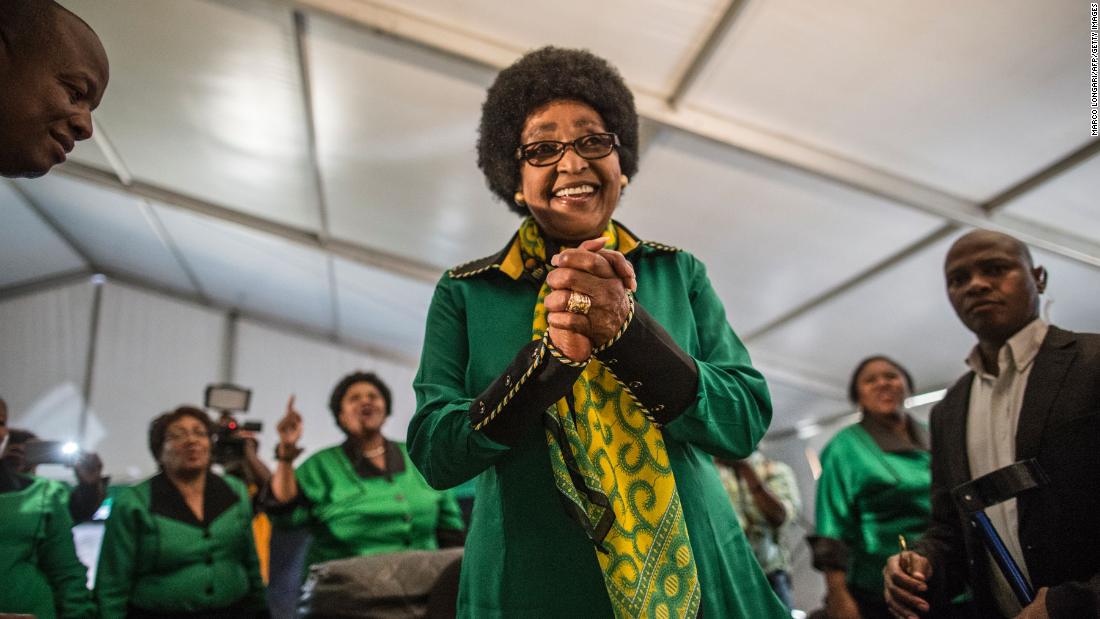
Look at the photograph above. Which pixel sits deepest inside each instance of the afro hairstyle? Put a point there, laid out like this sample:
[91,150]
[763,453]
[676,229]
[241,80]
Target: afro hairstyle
[540,77]
[346,382]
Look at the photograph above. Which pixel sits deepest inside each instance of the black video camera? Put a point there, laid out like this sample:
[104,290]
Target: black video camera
[228,447]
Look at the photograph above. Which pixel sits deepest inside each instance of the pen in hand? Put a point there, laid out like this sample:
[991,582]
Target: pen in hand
[903,558]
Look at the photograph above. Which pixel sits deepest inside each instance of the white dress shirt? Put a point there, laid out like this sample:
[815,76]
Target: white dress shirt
[994,415]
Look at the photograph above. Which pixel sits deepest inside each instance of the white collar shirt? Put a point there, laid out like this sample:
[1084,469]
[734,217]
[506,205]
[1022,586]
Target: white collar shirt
[994,414]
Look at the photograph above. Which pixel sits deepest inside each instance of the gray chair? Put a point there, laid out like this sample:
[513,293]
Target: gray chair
[387,586]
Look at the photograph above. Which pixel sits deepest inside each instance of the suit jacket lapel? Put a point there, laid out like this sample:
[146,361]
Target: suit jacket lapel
[957,407]
[1043,385]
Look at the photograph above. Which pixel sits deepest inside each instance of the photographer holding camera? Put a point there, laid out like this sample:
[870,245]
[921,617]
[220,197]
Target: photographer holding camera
[235,447]
[25,451]
[39,568]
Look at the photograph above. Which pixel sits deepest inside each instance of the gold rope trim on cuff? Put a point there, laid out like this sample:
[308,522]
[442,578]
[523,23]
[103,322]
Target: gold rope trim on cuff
[642,407]
[559,355]
[540,354]
[622,330]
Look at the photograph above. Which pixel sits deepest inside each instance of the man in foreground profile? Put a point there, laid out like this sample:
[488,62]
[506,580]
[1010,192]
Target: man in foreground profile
[53,71]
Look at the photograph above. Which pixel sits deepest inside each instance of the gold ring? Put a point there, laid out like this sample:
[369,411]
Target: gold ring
[579,303]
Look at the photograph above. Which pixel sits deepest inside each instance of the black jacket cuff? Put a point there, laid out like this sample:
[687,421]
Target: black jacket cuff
[662,377]
[450,538]
[536,378]
[1072,599]
[828,553]
[266,502]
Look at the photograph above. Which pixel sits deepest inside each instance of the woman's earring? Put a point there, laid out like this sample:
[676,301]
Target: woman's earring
[520,200]
[625,180]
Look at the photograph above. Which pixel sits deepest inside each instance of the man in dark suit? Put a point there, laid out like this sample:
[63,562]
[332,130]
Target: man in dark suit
[53,71]
[1033,392]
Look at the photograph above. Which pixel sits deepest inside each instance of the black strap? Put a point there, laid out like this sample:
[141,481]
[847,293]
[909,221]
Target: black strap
[999,486]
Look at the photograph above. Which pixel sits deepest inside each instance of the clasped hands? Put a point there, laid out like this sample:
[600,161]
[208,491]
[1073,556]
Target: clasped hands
[606,276]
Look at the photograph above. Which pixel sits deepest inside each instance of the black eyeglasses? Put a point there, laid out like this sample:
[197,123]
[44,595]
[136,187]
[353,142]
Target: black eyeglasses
[549,152]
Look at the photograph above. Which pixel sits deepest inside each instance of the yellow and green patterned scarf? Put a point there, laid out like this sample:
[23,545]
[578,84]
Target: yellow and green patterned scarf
[611,466]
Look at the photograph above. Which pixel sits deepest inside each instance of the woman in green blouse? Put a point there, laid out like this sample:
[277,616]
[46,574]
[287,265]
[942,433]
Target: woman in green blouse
[39,572]
[180,543]
[363,496]
[586,377]
[874,486]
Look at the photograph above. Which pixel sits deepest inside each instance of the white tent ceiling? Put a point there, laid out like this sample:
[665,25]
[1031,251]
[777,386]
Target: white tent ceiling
[312,162]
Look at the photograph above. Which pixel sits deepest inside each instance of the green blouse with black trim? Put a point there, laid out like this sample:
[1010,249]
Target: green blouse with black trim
[873,487]
[353,509]
[40,572]
[157,556]
[525,556]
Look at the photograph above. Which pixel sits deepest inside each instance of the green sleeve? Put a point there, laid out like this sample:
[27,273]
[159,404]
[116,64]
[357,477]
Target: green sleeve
[835,516]
[837,521]
[117,568]
[450,515]
[441,441]
[67,576]
[297,512]
[733,409]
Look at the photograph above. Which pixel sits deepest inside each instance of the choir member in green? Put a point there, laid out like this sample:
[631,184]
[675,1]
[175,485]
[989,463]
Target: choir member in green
[874,486]
[363,496]
[40,572]
[586,378]
[180,543]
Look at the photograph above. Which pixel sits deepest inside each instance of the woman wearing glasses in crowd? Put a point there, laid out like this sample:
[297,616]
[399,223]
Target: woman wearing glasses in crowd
[180,543]
[587,377]
[874,486]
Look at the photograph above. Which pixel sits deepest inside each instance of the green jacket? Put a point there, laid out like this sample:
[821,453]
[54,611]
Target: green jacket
[157,556]
[350,515]
[525,557]
[40,572]
[873,487]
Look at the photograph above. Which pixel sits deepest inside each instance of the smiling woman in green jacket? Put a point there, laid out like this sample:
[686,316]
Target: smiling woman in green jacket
[874,486]
[587,378]
[180,543]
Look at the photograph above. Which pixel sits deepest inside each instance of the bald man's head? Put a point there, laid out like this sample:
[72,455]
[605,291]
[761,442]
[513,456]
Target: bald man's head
[993,284]
[53,71]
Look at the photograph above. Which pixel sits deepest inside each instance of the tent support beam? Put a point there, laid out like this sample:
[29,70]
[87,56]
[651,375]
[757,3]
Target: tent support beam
[400,265]
[715,35]
[44,284]
[477,49]
[1029,232]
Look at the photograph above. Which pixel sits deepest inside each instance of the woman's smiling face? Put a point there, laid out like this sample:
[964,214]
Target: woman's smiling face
[881,387]
[573,199]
